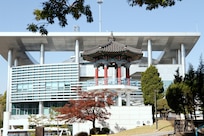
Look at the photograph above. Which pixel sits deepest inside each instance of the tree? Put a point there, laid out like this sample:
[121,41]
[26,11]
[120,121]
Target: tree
[152,87]
[190,79]
[179,94]
[175,97]
[178,78]
[200,84]
[151,83]
[163,107]
[90,107]
[53,10]
[37,120]
[2,107]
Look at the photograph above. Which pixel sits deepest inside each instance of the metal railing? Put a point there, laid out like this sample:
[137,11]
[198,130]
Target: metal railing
[113,81]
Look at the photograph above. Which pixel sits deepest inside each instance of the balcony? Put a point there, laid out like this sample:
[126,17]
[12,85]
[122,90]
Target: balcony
[119,85]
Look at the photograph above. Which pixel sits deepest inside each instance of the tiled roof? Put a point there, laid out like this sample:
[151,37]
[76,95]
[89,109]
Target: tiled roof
[112,49]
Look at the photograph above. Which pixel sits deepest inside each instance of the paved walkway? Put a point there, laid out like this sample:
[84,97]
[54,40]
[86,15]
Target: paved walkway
[158,133]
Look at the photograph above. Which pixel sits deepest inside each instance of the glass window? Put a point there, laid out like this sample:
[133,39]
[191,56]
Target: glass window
[13,111]
[61,86]
[54,86]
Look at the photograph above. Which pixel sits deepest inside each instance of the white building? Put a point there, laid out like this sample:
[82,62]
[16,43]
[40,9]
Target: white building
[33,88]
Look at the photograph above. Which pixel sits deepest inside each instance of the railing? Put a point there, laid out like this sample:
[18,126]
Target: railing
[113,81]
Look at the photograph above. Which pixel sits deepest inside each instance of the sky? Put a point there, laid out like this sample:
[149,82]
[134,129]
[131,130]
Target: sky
[117,16]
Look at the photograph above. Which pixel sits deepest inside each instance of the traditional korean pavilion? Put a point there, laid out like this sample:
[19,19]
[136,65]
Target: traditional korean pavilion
[116,55]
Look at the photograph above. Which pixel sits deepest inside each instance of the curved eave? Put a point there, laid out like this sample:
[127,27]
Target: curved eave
[132,55]
[112,49]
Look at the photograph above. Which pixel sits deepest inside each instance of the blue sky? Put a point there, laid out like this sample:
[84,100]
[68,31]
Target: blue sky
[117,16]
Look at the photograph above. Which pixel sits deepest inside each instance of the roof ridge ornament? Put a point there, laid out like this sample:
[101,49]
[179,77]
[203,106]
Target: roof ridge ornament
[111,38]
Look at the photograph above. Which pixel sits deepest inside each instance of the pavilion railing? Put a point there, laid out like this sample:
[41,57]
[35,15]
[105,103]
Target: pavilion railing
[113,81]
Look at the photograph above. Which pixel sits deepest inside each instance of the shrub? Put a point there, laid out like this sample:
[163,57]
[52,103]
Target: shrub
[94,131]
[105,130]
[82,134]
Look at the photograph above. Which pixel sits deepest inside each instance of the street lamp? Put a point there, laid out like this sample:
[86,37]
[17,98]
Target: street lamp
[100,20]
[155,106]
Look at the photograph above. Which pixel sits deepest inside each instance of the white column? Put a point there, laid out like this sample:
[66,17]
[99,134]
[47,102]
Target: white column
[179,56]
[183,60]
[173,61]
[26,126]
[119,99]
[42,54]
[77,51]
[149,50]
[9,80]
[16,62]
[41,108]
[77,56]
[113,74]
[6,123]
[128,99]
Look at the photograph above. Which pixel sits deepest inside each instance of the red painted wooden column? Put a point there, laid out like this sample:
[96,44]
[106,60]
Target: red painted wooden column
[105,74]
[96,75]
[119,75]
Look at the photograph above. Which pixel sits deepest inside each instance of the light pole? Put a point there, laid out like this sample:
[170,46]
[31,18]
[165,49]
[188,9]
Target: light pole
[155,106]
[99,13]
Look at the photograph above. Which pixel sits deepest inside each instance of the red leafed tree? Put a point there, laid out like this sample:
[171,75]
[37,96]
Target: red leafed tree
[91,106]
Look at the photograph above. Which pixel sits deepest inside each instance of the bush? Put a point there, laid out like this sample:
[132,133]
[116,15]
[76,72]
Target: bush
[94,131]
[105,130]
[82,134]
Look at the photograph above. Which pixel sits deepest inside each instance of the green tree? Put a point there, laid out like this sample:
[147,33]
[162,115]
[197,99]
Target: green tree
[178,78]
[2,107]
[177,98]
[163,107]
[200,84]
[151,83]
[152,87]
[179,94]
[190,79]
[53,10]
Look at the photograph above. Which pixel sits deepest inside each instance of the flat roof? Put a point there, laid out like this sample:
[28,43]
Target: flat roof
[166,42]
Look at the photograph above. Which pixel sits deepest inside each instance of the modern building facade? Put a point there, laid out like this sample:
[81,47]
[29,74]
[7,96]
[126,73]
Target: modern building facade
[33,88]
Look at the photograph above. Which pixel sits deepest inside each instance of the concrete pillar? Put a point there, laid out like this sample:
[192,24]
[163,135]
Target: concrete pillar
[114,75]
[77,51]
[149,50]
[173,61]
[77,56]
[10,58]
[16,62]
[119,99]
[26,126]
[179,56]
[42,54]
[128,99]
[6,123]
[183,60]
[41,107]
[9,81]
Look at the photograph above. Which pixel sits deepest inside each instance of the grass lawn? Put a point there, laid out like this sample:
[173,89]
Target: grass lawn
[163,125]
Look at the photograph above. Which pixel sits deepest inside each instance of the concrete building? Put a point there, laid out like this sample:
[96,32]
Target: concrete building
[33,88]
